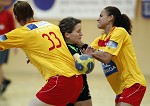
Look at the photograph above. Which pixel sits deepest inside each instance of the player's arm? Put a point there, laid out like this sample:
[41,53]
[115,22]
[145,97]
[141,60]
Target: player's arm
[104,57]
[113,46]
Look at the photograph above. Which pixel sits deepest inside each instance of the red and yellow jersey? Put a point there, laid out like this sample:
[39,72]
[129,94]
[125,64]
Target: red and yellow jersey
[123,70]
[44,45]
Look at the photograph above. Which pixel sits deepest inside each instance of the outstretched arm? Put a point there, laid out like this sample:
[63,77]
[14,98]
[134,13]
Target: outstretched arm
[104,57]
[101,56]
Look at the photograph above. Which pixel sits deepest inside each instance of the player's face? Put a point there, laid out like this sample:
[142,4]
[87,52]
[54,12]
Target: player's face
[103,20]
[76,35]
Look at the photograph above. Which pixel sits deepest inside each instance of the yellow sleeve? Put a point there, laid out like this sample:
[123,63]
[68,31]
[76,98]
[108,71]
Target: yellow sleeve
[11,40]
[116,41]
[94,44]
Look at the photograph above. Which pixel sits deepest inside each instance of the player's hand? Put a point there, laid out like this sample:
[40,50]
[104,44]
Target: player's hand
[28,61]
[89,50]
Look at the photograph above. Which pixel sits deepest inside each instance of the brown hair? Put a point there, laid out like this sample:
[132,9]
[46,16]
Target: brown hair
[23,11]
[67,24]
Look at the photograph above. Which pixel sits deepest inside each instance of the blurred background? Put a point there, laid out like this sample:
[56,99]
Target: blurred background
[26,80]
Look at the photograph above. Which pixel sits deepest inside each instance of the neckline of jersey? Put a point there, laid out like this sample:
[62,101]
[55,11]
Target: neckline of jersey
[31,21]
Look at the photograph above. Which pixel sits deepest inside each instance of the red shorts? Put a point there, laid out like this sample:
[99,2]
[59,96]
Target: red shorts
[61,90]
[132,95]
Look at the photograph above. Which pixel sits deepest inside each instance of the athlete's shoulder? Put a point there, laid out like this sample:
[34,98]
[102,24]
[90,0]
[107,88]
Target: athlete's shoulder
[44,24]
[120,29]
[36,24]
[16,31]
[120,33]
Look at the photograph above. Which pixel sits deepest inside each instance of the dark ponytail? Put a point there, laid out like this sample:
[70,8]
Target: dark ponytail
[126,23]
[120,20]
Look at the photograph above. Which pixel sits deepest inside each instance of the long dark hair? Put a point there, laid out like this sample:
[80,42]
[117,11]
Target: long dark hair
[121,20]
[23,11]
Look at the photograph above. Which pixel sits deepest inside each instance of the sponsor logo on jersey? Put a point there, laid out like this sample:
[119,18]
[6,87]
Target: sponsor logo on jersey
[38,25]
[2,38]
[112,44]
[31,26]
[109,68]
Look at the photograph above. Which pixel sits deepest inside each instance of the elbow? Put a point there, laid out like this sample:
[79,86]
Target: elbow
[103,60]
[103,57]
[106,58]
[106,61]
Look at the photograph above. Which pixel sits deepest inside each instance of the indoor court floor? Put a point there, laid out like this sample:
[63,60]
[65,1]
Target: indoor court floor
[26,81]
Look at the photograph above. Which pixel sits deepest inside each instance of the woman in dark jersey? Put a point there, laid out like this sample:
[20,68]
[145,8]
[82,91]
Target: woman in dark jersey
[71,30]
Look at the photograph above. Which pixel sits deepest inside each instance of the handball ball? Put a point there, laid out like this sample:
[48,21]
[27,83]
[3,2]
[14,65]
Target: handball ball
[85,64]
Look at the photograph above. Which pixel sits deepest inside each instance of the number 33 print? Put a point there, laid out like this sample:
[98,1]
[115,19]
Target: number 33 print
[49,38]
